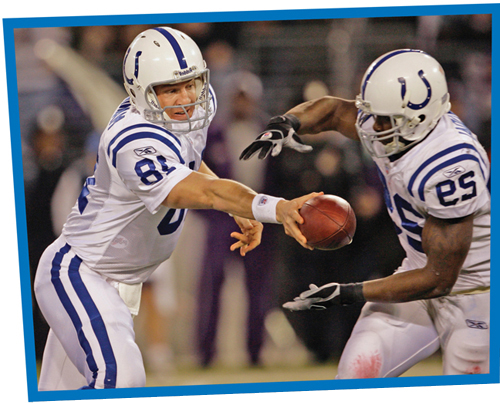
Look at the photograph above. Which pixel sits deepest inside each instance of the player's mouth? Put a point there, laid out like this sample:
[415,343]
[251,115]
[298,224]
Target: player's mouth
[181,114]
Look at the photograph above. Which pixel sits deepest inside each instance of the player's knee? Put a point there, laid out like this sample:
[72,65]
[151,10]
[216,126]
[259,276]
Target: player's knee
[125,378]
[131,376]
[362,358]
[135,380]
[466,354]
[127,372]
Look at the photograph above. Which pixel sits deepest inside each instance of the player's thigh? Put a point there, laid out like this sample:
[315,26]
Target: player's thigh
[387,340]
[90,320]
[463,322]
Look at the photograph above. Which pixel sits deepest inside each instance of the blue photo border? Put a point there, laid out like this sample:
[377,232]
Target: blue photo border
[230,16]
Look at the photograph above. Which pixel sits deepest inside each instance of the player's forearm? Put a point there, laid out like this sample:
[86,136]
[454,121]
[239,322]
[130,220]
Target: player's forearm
[446,244]
[326,114]
[406,286]
[231,197]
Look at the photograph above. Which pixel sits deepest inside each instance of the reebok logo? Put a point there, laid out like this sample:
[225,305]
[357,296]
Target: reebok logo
[457,170]
[144,151]
[476,324]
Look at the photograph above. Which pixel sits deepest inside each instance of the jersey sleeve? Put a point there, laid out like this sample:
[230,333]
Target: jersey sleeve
[453,188]
[150,167]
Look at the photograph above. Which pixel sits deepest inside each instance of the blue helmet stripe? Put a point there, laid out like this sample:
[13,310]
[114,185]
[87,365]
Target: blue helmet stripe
[377,65]
[175,45]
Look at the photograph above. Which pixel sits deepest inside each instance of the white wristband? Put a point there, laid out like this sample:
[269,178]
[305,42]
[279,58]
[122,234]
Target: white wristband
[264,208]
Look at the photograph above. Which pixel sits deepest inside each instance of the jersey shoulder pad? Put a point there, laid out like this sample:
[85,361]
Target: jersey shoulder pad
[143,139]
[453,177]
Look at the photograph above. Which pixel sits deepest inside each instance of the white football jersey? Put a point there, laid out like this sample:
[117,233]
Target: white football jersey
[445,176]
[118,225]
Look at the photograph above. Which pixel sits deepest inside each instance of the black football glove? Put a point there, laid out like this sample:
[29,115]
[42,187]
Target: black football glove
[279,133]
[327,295]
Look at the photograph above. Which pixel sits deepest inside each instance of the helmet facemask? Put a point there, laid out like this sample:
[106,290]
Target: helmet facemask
[154,113]
[402,134]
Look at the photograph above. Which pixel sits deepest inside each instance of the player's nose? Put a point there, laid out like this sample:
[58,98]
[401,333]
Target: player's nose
[382,123]
[183,97]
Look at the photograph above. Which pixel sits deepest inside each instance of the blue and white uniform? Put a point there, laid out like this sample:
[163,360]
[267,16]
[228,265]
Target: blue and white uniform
[445,176]
[88,281]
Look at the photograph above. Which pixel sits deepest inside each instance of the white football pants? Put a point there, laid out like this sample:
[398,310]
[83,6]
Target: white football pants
[91,327]
[388,339]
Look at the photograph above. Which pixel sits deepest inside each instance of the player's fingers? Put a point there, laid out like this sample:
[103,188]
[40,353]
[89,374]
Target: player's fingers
[250,151]
[240,237]
[265,148]
[302,199]
[294,232]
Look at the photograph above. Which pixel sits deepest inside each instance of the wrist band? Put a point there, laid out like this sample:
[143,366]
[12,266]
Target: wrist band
[351,293]
[264,208]
[293,120]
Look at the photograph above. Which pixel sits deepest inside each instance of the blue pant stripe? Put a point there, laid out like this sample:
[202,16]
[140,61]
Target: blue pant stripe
[96,321]
[70,309]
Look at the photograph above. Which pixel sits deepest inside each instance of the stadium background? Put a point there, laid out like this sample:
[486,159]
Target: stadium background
[64,102]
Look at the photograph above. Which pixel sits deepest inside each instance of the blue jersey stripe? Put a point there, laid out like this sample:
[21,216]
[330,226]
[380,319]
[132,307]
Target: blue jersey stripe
[141,126]
[443,165]
[96,321]
[435,157]
[145,135]
[381,61]
[214,100]
[70,309]
[175,46]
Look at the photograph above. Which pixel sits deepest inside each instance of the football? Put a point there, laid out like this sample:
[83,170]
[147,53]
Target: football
[329,222]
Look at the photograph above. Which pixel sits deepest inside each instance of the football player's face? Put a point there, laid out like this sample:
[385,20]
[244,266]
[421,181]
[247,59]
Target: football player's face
[171,95]
[382,123]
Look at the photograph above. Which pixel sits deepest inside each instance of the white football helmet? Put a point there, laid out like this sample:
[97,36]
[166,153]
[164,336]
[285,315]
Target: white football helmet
[166,56]
[407,86]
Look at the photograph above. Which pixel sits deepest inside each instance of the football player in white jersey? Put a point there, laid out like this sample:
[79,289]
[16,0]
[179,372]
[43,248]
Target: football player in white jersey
[436,179]
[129,215]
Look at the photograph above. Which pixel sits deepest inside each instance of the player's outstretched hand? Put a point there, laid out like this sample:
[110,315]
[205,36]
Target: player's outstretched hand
[316,298]
[250,236]
[279,133]
[287,213]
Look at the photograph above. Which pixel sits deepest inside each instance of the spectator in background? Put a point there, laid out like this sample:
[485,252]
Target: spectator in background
[243,94]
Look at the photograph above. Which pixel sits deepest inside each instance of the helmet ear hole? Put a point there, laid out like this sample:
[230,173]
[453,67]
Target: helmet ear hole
[422,118]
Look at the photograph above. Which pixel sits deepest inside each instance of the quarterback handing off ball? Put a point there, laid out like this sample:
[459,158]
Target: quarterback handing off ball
[329,222]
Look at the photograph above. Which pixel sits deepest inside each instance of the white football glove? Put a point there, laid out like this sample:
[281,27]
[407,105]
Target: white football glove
[280,132]
[327,295]
[316,298]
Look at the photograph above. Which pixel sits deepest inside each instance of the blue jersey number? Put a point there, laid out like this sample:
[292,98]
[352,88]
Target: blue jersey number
[448,194]
[446,190]
[403,207]
[166,226]
[82,199]
[146,170]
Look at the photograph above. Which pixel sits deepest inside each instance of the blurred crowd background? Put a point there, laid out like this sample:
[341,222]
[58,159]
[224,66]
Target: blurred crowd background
[207,306]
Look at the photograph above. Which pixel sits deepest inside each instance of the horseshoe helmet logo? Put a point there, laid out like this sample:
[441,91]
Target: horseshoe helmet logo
[411,105]
[136,67]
